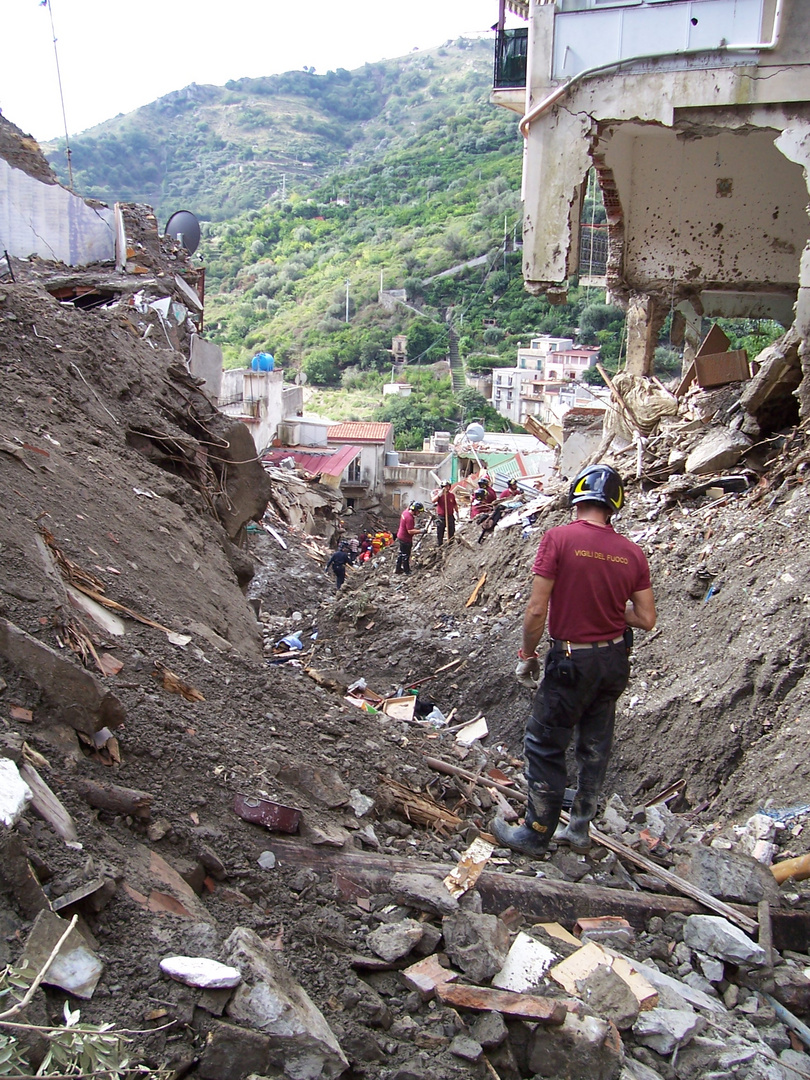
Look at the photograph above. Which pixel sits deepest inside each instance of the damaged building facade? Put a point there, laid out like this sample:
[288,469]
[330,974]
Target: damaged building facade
[695,116]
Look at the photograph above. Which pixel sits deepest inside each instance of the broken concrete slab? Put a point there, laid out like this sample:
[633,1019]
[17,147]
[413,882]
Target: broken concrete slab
[609,996]
[76,968]
[721,448]
[392,941]
[423,893]
[665,1029]
[579,1047]
[718,937]
[15,794]
[201,971]
[76,695]
[478,944]
[301,1042]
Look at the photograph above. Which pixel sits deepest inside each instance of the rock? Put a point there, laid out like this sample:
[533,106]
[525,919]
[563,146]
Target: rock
[478,944]
[361,1046]
[728,875]
[697,982]
[76,968]
[609,996]
[15,794]
[792,1059]
[719,449]
[718,937]
[271,1001]
[676,994]
[200,971]
[467,1048]
[791,987]
[395,940]
[429,942]
[580,1047]
[267,860]
[712,969]
[526,964]
[489,1030]
[360,803]
[661,822]
[423,893]
[664,1029]
[233,1053]
[637,1070]
[324,785]
[613,822]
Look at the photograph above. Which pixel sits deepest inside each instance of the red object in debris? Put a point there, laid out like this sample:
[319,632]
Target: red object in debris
[271,815]
[600,922]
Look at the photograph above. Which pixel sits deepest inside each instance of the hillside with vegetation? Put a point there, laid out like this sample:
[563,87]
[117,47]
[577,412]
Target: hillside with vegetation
[321,195]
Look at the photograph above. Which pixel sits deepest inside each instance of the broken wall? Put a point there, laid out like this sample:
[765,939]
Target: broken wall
[50,222]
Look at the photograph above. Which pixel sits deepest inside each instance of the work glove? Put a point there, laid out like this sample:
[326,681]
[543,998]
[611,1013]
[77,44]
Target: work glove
[527,671]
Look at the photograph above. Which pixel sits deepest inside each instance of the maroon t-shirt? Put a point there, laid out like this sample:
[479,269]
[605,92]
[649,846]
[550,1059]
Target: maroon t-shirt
[406,522]
[595,572]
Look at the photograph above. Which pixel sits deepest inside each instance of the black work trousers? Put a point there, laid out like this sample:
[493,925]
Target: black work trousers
[450,523]
[403,565]
[579,691]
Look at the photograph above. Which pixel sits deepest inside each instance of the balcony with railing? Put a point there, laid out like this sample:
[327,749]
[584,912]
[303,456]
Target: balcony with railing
[511,51]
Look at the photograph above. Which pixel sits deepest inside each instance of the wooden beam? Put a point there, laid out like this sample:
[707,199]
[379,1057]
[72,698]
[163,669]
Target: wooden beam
[477,590]
[539,899]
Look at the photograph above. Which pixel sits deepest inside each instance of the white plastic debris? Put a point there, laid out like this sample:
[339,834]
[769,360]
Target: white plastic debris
[14,793]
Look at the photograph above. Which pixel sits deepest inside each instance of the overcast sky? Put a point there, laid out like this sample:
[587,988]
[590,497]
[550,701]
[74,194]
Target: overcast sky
[115,55]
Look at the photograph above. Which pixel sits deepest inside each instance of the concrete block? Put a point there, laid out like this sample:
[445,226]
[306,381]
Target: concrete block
[721,448]
[273,1003]
[665,1029]
[609,996]
[729,875]
[526,964]
[478,944]
[76,968]
[718,937]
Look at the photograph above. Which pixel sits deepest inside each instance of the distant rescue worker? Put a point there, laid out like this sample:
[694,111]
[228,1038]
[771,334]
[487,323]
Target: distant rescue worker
[338,562]
[408,529]
[446,512]
[483,497]
[511,491]
[593,585]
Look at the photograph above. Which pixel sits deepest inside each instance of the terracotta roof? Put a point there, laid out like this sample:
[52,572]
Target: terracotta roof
[358,432]
[315,462]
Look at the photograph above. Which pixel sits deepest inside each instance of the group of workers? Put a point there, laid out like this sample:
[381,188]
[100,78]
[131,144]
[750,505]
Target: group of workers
[356,549]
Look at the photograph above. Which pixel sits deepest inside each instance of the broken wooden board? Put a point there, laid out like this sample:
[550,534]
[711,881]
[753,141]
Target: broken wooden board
[522,1006]
[46,804]
[477,590]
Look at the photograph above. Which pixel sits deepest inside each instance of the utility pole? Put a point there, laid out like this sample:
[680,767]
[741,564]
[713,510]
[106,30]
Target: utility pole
[283,186]
[347,299]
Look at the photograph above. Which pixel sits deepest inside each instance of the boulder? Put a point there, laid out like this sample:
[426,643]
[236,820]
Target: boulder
[302,1046]
[718,937]
[478,944]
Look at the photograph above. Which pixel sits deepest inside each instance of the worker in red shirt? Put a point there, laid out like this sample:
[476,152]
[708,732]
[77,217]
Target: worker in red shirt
[511,491]
[407,530]
[592,585]
[446,512]
[483,497]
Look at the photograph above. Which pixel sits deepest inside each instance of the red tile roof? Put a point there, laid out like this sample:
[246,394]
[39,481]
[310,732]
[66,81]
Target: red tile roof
[358,432]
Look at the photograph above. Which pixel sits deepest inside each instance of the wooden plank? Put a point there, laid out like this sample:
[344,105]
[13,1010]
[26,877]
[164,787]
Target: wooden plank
[483,999]
[474,594]
[47,805]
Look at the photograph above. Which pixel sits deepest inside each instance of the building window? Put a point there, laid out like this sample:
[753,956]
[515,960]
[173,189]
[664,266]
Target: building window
[354,471]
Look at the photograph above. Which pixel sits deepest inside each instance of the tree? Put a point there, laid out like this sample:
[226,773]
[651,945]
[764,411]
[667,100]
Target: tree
[320,368]
[422,335]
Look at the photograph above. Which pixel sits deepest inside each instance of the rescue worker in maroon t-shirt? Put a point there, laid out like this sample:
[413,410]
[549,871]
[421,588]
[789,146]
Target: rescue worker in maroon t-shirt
[446,512]
[407,530]
[592,585]
[483,498]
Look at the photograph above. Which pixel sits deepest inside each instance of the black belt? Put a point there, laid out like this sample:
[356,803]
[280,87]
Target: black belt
[572,645]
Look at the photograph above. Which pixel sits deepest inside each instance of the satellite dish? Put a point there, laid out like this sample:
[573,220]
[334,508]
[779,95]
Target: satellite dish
[475,432]
[300,378]
[184,226]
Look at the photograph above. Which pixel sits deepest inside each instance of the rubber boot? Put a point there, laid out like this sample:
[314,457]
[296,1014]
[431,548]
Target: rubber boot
[576,834]
[522,838]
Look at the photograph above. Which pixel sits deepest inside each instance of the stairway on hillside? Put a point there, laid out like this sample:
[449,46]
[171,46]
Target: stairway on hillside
[456,363]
